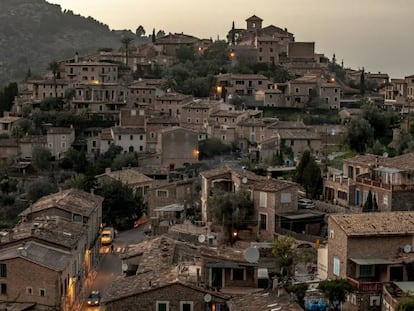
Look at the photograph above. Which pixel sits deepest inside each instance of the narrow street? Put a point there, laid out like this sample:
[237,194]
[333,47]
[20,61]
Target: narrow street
[110,266]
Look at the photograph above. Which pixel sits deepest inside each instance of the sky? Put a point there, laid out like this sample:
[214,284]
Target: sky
[374,34]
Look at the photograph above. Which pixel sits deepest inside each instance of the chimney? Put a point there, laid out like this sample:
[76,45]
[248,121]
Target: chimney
[76,57]
[107,170]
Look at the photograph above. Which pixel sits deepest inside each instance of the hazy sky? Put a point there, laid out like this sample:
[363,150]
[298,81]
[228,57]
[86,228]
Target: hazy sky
[375,34]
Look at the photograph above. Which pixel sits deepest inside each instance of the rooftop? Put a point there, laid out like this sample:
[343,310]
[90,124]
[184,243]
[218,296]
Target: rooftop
[128,176]
[273,185]
[384,223]
[263,301]
[71,200]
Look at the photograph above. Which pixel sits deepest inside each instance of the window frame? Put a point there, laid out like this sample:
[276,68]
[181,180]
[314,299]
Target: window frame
[161,302]
[182,303]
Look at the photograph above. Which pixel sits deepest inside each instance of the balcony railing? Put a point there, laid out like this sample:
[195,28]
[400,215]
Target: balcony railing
[379,184]
[365,287]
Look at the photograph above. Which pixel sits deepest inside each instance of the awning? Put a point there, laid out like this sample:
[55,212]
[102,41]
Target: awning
[371,261]
[262,273]
[170,208]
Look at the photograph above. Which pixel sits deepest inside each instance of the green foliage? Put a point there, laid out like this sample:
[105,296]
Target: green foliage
[83,182]
[360,135]
[233,210]
[283,249]
[76,160]
[362,85]
[300,292]
[7,96]
[8,185]
[308,174]
[40,188]
[405,304]
[211,147]
[120,207]
[336,291]
[185,53]
[41,157]
[121,160]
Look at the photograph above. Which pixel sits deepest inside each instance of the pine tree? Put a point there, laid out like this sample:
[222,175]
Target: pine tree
[153,35]
[233,35]
[362,82]
[374,204]
[368,205]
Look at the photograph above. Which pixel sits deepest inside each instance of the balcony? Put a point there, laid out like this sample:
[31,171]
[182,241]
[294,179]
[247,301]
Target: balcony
[379,184]
[365,287]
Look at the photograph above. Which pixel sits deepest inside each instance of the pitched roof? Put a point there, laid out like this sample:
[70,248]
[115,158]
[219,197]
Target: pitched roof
[40,254]
[273,185]
[128,176]
[263,301]
[60,130]
[384,223]
[253,18]
[126,130]
[71,200]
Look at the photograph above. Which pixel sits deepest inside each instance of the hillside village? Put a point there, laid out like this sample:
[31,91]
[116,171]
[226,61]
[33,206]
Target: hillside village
[207,147]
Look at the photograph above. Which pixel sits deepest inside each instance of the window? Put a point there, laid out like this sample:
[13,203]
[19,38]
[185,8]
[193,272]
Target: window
[365,271]
[131,137]
[186,306]
[263,199]
[141,148]
[237,274]
[77,218]
[163,306]
[263,221]
[63,137]
[286,197]
[385,199]
[141,137]
[119,137]
[29,290]
[3,270]
[63,144]
[42,292]
[336,266]
[152,135]
[162,193]
[3,289]
[331,234]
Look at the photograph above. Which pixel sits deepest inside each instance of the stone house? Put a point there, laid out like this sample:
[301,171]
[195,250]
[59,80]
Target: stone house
[196,113]
[273,198]
[41,89]
[145,91]
[242,84]
[27,143]
[74,205]
[178,192]
[369,250]
[8,123]
[91,72]
[9,151]
[101,99]
[177,147]
[59,140]
[138,182]
[390,180]
[131,139]
[171,103]
[168,277]
[33,273]
[154,125]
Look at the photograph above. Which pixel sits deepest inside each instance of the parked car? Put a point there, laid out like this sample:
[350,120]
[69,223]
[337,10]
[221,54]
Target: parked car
[306,203]
[94,299]
[107,236]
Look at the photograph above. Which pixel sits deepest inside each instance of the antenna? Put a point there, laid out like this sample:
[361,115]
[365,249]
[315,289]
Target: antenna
[407,248]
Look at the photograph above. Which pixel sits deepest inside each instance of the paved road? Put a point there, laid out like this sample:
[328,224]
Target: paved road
[110,266]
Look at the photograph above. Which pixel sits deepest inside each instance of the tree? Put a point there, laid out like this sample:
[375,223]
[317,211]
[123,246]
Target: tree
[125,160]
[300,292]
[41,157]
[368,203]
[233,35]
[362,82]
[405,304]
[40,188]
[283,249]
[232,210]
[126,41]
[140,31]
[83,182]
[312,180]
[153,36]
[300,169]
[54,67]
[375,117]
[360,135]
[211,147]
[336,291]
[374,204]
[121,206]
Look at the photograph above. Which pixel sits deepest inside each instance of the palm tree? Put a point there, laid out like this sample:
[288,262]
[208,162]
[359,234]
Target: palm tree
[54,67]
[126,41]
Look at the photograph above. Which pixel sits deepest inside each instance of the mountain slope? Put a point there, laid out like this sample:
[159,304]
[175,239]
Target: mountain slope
[35,32]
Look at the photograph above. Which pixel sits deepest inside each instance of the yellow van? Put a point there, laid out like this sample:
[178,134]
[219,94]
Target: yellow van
[107,236]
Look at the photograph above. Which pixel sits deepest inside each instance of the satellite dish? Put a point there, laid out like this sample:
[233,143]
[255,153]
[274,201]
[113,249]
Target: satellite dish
[124,267]
[385,154]
[207,298]
[407,248]
[201,238]
[244,180]
[251,254]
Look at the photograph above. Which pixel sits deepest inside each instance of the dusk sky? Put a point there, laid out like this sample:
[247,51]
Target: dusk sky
[375,34]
